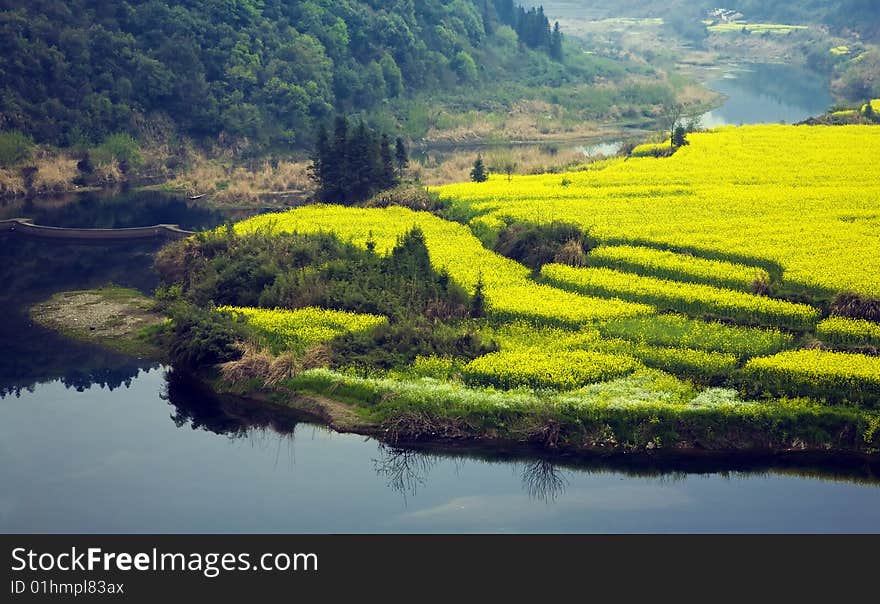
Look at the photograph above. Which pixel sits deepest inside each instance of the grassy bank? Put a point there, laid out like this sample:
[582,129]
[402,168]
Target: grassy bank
[647,411]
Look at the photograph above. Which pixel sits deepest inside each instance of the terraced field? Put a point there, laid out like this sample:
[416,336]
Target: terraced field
[797,201]
[715,267]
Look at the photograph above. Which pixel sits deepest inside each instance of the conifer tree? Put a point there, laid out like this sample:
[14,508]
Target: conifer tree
[479,172]
[556,43]
[388,178]
[401,156]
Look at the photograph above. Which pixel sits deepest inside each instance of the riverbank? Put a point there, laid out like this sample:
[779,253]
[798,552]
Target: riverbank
[639,418]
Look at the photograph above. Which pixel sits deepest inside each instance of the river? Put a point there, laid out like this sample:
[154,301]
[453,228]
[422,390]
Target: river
[93,441]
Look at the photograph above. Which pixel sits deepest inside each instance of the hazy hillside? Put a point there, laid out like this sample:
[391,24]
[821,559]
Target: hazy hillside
[860,16]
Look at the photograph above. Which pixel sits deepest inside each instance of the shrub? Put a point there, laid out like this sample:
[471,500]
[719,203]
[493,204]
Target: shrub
[15,148]
[203,337]
[536,245]
[120,148]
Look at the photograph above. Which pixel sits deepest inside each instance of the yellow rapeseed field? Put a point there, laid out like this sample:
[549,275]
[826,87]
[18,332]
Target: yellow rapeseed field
[709,233]
[803,197]
[452,247]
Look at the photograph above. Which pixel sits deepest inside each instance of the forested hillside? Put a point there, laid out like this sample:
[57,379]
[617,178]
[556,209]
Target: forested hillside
[266,71]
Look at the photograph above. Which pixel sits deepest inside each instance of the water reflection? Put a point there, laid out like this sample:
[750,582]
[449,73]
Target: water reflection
[31,271]
[768,94]
[113,210]
[543,480]
[196,406]
[404,470]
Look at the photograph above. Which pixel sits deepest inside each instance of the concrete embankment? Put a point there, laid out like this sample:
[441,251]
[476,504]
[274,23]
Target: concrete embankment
[23,226]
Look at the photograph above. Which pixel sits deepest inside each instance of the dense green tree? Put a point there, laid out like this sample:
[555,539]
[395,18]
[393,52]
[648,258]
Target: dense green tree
[556,42]
[355,165]
[479,172]
[679,136]
[401,156]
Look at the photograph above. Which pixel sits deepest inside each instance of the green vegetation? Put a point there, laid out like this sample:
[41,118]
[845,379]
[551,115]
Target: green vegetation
[647,410]
[262,74]
[15,147]
[678,330]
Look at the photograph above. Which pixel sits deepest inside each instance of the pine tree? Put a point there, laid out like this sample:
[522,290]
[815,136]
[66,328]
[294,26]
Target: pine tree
[869,111]
[401,156]
[387,177]
[337,165]
[479,172]
[320,159]
[679,137]
[556,43]
[489,17]
[362,164]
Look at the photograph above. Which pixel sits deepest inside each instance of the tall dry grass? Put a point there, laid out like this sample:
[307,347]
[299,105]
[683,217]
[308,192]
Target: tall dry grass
[55,174]
[259,364]
[226,182]
[11,183]
[528,159]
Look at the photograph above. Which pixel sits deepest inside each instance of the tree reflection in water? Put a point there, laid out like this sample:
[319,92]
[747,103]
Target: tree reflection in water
[405,470]
[543,480]
[195,405]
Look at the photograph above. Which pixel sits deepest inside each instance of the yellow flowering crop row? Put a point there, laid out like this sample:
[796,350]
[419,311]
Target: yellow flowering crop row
[836,377]
[849,332]
[540,368]
[754,28]
[682,267]
[509,291]
[652,150]
[690,299]
[676,330]
[298,329]
[803,197]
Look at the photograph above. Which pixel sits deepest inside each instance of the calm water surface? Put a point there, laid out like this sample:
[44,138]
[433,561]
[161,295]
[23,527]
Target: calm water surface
[768,94]
[92,441]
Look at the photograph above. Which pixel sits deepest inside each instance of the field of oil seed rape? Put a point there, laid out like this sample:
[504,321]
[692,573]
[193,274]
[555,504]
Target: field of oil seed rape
[740,210]
[652,262]
[842,377]
[509,291]
[543,368]
[840,331]
[692,299]
[803,198]
[678,330]
[298,329]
